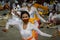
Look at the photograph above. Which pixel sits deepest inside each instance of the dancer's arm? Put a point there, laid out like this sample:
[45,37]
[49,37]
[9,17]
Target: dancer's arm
[42,33]
[42,19]
[6,27]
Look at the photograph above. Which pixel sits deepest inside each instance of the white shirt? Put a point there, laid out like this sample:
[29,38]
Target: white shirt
[26,33]
[50,16]
[34,11]
[15,17]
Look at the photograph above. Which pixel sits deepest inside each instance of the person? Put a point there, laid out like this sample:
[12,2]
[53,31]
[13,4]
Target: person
[57,6]
[33,11]
[17,6]
[15,18]
[52,16]
[27,27]
[24,6]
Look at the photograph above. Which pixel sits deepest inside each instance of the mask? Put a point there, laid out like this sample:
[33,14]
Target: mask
[26,20]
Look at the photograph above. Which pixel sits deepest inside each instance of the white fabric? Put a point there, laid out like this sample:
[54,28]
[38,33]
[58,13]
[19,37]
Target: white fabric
[18,7]
[33,11]
[24,8]
[26,33]
[24,4]
[56,16]
[50,16]
[15,20]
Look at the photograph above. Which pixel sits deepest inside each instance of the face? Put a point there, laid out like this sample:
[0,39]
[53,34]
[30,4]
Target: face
[25,18]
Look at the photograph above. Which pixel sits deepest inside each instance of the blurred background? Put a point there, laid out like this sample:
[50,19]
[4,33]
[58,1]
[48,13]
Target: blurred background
[45,6]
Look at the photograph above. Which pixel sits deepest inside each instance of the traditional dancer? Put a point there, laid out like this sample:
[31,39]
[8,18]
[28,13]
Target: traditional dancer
[27,27]
[15,19]
[33,11]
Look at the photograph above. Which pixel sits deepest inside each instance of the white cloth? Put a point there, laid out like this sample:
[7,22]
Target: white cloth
[57,7]
[56,16]
[24,8]
[34,11]
[18,7]
[51,16]
[15,20]
[26,33]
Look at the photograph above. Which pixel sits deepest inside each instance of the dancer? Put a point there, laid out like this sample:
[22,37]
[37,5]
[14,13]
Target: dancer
[15,18]
[27,27]
[52,16]
[33,11]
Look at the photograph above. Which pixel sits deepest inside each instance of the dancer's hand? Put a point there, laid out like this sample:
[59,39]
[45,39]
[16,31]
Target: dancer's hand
[4,30]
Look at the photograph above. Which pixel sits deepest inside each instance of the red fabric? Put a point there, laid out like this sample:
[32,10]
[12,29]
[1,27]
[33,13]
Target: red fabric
[39,23]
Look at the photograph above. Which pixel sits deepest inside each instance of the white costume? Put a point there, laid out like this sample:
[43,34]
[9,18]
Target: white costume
[51,16]
[32,12]
[57,19]
[15,20]
[24,7]
[27,33]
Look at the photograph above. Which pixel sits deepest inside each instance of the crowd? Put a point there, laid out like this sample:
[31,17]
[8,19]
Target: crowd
[28,17]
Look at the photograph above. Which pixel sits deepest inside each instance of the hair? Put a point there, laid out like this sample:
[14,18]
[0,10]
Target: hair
[25,12]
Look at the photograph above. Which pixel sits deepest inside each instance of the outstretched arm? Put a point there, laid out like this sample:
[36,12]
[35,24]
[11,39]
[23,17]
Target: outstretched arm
[6,28]
[42,19]
[41,33]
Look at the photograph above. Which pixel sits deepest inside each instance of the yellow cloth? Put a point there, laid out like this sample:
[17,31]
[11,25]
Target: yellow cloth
[40,13]
[40,6]
[35,34]
[35,18]
[32,20]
